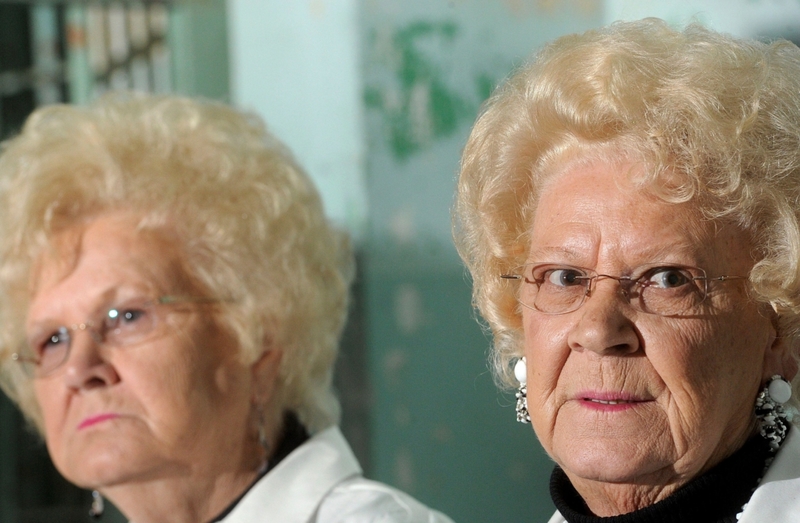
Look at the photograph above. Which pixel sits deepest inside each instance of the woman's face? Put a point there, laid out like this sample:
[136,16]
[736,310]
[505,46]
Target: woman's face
[178,403]
[621,396]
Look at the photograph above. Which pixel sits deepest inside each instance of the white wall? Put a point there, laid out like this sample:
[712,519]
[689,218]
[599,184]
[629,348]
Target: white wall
[746,18]
[296,63]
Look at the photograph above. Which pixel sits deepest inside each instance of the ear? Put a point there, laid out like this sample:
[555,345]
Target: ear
[779,356]
[264,374]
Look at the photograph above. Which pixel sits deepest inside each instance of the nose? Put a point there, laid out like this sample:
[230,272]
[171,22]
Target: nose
[87,366]
[604,325]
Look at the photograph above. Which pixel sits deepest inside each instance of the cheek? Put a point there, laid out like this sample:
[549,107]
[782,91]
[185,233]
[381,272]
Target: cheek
[547,353]
[724,351]
[53,406]
[165,389]
[545,345]
[50,401]
[191,385]
[681,354]
[711,369]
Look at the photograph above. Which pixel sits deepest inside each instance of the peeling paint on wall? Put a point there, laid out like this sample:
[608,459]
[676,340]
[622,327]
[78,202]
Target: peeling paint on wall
[418,105]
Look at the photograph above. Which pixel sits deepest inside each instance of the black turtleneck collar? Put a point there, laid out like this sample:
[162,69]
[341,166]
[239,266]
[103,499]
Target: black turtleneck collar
[715,497]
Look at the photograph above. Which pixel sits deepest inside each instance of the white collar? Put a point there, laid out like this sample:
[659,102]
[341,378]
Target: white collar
[777,497]
[292,491]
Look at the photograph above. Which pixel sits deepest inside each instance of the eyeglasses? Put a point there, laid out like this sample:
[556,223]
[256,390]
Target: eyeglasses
[665,290]
[130,323]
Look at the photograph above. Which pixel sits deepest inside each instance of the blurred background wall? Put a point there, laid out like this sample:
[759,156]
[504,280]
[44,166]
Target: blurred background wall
[376,98]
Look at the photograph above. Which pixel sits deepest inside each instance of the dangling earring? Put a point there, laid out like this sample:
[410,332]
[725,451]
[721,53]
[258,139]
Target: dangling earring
[263,441]
[97,505]
[521,373]
[773,417]
[262,438]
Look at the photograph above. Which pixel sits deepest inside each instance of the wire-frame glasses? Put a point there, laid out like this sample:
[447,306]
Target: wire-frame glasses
[662,289]
[132,322]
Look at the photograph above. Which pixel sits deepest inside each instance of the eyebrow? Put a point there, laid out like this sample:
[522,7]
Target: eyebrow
[670,253]
[100,304]
[542,254]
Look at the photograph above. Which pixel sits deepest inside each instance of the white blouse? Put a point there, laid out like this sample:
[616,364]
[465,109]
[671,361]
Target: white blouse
[321,482]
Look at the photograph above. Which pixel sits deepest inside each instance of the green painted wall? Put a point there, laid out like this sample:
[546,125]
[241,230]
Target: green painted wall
[439,427]
[198,39]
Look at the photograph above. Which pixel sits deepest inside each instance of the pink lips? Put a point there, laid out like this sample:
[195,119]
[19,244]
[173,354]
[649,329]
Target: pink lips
[609,401]
[94,420]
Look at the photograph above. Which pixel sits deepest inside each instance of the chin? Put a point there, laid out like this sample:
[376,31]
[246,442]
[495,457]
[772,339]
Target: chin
[610,461]
[102,465]
[601,470]
[94,472]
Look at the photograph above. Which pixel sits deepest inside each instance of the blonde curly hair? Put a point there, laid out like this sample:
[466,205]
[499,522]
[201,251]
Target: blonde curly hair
[715,119]
[251,225]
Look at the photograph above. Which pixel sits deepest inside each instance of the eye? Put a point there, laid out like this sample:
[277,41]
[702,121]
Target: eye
[56,340]
[126,317]
[564,277]
[128,323]
[667,277]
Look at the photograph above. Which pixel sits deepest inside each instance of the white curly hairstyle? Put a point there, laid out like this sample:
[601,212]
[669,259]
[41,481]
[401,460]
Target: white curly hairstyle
[715,119]
[250,221]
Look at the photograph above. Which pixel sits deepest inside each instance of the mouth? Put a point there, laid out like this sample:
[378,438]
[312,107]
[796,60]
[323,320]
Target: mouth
[94,420]
[609,401]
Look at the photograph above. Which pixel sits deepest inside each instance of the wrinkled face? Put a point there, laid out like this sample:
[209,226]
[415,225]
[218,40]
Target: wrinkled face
[116,415]
[618,395]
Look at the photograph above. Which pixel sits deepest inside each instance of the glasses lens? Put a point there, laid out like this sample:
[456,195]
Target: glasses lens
[556,288]
[662,290]
[44,354]
[670,290]
[130,323]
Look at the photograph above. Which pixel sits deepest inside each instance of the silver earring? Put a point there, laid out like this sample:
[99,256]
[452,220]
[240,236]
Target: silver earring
[521,373]
[263,441]
[262,437]
[773,417]
[97,505]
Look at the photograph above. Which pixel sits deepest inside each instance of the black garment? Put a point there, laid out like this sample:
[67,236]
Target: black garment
[715,497]
[294,435]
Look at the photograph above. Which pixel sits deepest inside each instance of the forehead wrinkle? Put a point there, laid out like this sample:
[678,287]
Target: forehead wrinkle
[544,254]
[687,248]
[54,314]
[64,256]
[60,257]
[573,230]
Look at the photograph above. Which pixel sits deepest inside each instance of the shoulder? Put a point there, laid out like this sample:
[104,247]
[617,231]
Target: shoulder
[359,500]
[321,482]
[777,498]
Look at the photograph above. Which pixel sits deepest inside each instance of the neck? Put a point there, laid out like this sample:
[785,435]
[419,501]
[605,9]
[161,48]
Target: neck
[191,498]
[612,499]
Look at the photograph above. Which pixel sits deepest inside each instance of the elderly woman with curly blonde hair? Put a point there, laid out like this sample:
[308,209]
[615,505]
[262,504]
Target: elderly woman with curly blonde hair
[628,208]
[172,299]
